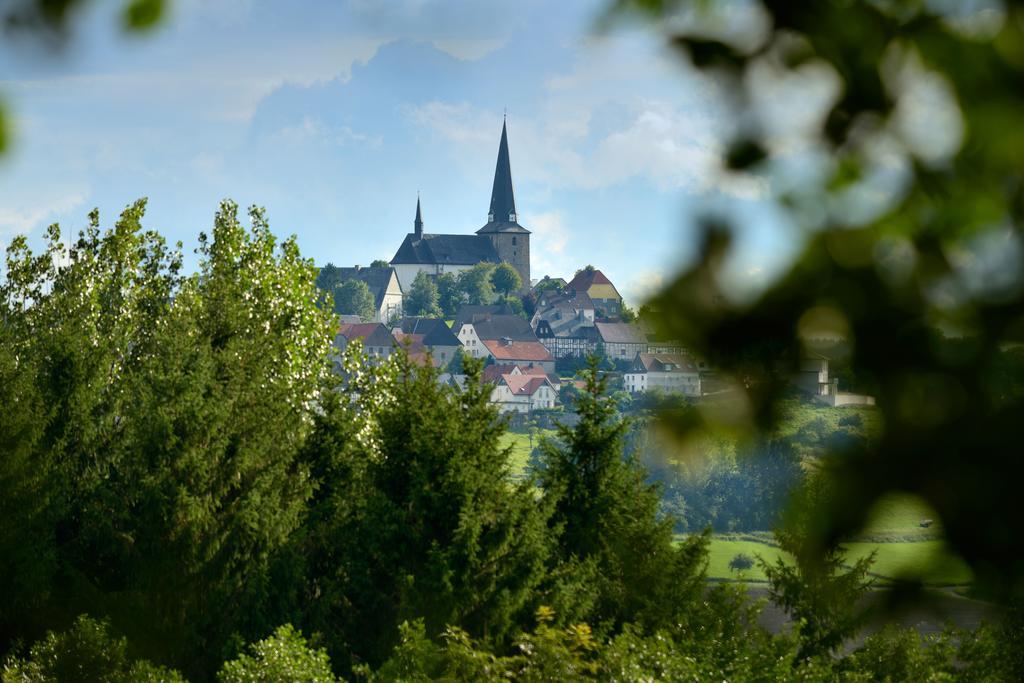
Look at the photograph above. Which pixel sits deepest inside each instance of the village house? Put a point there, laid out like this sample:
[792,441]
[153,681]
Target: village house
[673,373]
[580,345]
[813,378]
[563,312]
[383,286]
[621,341]
[376,338]
[493,372]
[510,351]
[523,393]
[599,288]
[432,334]
[474,328]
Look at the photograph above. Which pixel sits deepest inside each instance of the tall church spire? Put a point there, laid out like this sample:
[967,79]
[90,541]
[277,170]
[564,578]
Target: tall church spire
[503,200]
[418,223]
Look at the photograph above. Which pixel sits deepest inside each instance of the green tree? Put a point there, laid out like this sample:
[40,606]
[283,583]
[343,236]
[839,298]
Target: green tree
[824,599]
[379,263]
[418,509]
[353,297]
[505,279]
[328,278]
[514,303]
[475,284]
[422,298]
[449,295]
[178,405]
[606,517]
[283,657]
[86,652]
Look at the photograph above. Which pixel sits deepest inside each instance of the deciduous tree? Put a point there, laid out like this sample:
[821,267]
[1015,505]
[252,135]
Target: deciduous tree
[353,297]
[422,298]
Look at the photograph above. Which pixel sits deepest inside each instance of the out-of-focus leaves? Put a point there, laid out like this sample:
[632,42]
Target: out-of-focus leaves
[143,14]
[744,153]
[926,126]
[52,22]
[4,129]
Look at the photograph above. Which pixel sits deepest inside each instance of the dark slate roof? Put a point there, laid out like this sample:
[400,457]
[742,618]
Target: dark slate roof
[372,334]
[620,333]
[664,362]
[376,280]
[468,313]
[504,327]
[502,216]
[435,331]
[462,250]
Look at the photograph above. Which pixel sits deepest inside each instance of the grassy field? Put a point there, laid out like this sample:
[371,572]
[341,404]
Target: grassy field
[798,414]
[520,444]
[927,560]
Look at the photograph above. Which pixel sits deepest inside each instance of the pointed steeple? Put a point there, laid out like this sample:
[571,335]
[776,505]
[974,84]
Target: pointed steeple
[418,223]
[503,199]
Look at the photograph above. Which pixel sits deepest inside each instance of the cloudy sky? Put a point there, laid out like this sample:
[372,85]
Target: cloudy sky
[333,115]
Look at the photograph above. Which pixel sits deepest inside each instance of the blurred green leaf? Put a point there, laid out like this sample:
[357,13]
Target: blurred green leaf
[141,15]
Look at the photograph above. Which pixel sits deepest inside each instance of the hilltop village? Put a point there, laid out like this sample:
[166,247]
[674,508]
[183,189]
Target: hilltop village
[441,293]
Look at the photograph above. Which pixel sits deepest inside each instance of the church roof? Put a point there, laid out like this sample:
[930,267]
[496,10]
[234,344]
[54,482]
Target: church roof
[462,250]
[502,216]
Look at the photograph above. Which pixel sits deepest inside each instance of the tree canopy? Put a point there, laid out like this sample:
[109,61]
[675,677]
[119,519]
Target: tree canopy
[505,279]
[422,297]
[353,297]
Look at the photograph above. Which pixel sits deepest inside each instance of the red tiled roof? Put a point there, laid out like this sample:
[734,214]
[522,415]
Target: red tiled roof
[524,385]
[517,350]
[494,373]
[587,278]
[372,334]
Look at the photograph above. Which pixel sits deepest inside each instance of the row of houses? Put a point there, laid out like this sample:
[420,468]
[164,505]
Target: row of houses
[519,366]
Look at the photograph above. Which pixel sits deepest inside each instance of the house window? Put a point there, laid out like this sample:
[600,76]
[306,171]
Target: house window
[513,240]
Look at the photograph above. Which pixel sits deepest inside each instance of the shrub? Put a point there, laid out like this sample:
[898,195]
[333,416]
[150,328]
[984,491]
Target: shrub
[741,563]
[851,421]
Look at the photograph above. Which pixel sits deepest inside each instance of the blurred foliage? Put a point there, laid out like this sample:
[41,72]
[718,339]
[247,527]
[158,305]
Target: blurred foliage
[910,201]
[51,23]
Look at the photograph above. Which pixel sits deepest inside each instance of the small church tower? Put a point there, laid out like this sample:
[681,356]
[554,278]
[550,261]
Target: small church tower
[510,240]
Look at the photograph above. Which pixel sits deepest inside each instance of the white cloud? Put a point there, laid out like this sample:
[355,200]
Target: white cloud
[469,49]
[547,246]
[671,148]
[642,286]
[21,216]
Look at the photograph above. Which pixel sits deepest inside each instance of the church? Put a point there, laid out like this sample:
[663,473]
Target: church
[501,240]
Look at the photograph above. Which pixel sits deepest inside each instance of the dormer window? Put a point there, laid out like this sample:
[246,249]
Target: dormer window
[490,218]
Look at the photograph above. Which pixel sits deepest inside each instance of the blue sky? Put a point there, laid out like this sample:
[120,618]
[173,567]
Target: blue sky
[333,115]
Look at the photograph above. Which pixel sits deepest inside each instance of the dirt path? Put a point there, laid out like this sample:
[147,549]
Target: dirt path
[937,609]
